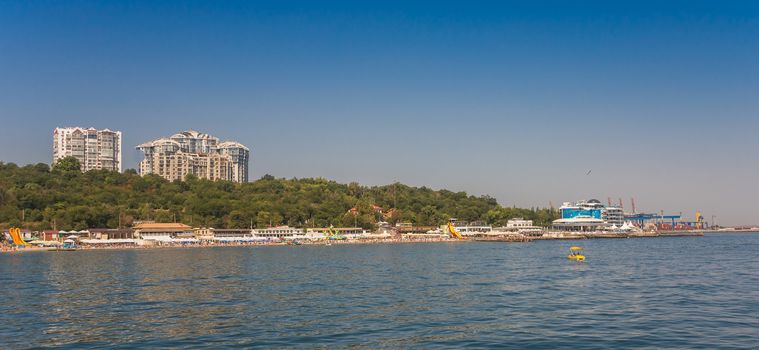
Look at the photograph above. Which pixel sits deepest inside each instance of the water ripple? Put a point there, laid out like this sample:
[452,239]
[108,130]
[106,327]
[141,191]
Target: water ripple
[635,293]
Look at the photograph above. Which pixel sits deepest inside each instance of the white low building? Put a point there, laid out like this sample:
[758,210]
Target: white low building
[517,223]
[210,233]
[280,233]
[470,230]
[327,232]
[165,232]
[580,224]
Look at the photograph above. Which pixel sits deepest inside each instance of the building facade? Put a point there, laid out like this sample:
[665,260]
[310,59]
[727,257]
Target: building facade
[517,223]
[592,208]
[613,215]
[239,156]
[162,231]
[588,216]
[199,154]
[95,149]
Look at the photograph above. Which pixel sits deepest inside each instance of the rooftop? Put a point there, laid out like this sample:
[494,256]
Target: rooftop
[162,226]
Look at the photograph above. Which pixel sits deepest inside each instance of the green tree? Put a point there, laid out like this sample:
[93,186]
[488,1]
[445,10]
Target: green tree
[69,199]
[67,164]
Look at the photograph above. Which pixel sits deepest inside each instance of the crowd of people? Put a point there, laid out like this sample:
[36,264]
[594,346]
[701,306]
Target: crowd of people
[5,247]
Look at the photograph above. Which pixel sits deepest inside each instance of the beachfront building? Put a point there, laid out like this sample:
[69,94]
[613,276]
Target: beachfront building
[517,223]
[613,215]
[49,235]
[522,226]
[163,231]
[590,215]
[94,149]
[469,230]
[409,229]
[593,208]
[580,223]
[227,235]
[280,232]
[194,153]
[291,233]
[210,232]
[111,233]
[326,232]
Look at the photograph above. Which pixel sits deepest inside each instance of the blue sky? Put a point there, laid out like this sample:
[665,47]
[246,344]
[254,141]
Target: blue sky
[516,99]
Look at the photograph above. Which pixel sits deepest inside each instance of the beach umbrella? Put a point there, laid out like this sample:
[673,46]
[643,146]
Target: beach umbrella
[73,237]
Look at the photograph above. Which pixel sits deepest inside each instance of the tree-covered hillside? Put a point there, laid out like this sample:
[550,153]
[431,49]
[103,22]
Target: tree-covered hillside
[37,197]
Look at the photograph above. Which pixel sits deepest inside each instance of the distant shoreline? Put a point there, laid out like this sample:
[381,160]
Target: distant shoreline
[379,241]
[224,245]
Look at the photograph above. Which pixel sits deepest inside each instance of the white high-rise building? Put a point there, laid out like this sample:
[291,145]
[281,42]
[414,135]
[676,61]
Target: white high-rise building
[239,156]
[95,149]
[196,153]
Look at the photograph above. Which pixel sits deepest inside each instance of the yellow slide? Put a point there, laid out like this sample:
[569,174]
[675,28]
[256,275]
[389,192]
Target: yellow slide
[16,235]
[454,233]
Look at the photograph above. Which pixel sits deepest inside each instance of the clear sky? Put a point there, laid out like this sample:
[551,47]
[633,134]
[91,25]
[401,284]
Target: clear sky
[515,99]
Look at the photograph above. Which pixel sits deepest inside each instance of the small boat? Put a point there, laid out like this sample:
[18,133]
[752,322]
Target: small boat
[575,253]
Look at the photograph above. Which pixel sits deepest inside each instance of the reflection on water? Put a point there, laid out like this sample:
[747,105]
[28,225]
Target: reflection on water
[662,293]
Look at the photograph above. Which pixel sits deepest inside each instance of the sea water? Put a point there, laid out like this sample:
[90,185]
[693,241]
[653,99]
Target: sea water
[678,292]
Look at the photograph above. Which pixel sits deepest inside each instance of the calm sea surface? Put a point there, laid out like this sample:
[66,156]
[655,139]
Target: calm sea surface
[690,293]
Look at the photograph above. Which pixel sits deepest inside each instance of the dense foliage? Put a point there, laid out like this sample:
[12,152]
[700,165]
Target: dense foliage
[37,197]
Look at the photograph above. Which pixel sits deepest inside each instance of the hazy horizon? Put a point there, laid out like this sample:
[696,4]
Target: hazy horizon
[518,100]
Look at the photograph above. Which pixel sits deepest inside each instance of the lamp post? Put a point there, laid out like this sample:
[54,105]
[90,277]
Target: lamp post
[714,226]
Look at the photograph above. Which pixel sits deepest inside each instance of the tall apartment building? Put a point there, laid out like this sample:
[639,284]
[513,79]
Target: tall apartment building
[239,155]
[199,154]
[95,149]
